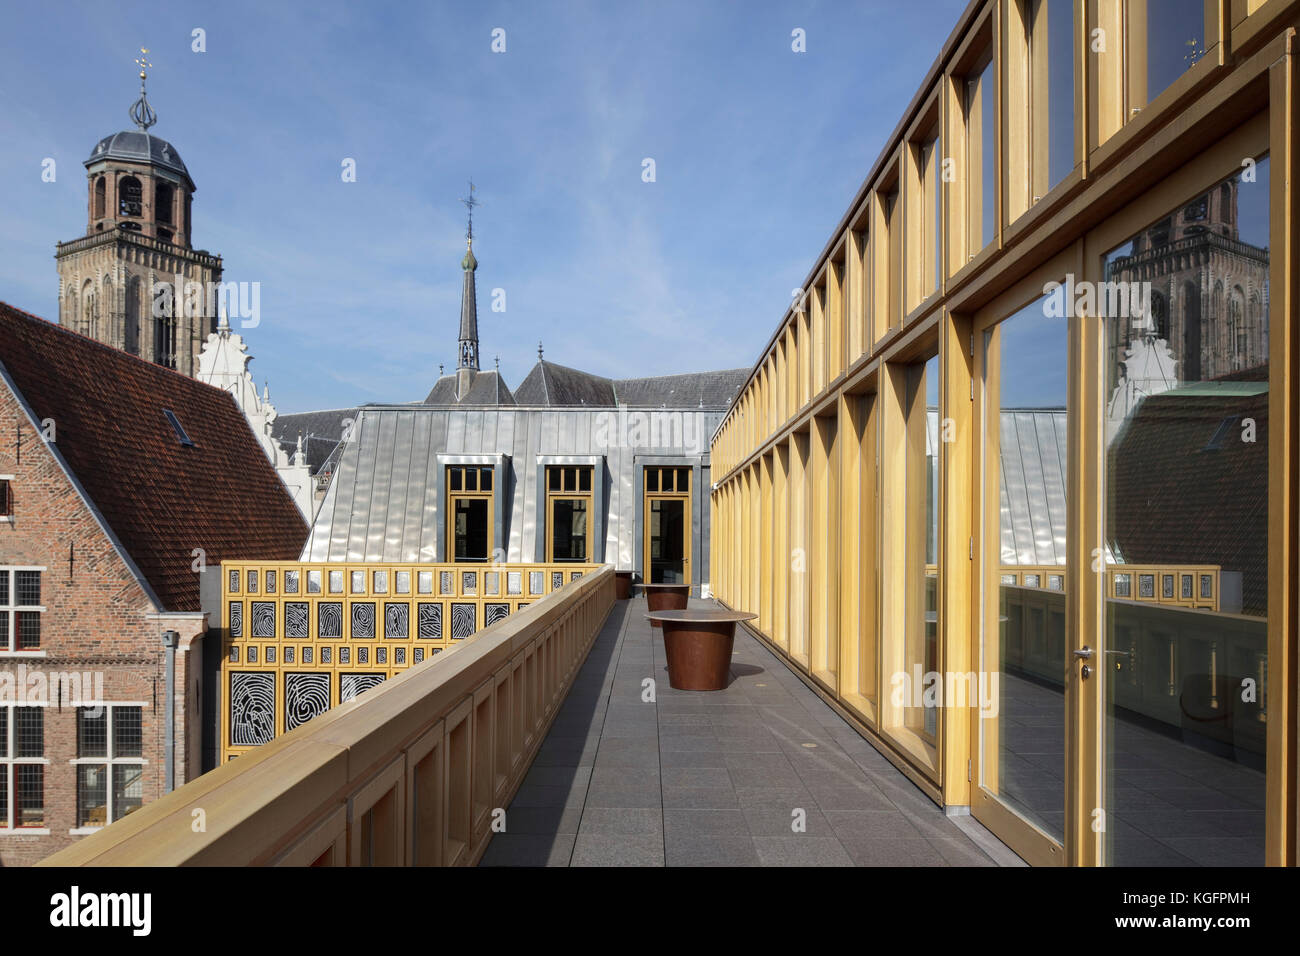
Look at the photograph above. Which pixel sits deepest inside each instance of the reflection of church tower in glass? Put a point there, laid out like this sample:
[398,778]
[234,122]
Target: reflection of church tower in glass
[1209,290]
[467,362]
[137,234]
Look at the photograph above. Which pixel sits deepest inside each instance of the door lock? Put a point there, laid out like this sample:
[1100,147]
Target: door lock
[1084,654]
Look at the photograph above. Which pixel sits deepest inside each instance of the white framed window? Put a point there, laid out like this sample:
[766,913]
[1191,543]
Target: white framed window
[20,609]
[22,768]
[109,763]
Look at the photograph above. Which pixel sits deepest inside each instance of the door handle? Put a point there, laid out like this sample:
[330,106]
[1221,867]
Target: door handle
[1084,654]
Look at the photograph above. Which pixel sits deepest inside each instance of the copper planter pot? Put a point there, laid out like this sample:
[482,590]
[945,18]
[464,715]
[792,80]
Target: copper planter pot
[698,645]
[622,585]
[666,597]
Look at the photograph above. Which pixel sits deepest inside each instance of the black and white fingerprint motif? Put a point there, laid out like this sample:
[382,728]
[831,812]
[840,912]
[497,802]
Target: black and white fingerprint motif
[381,655]
[252,582]
[557,580]
[263,619]
[326,655]
[308,654]
[252,709]
[399,655]
[430,623]
[419,654]
[234,582]
[345,655]
[329,619]
[305,696]
[444,582]
[575,575]
[270,654]
[363,619]
[295,619]
[290,582]
[462,621]
[270,582]
[397,620]
[288,654]
[352,685]
[237,618]
[535,579]
[495,612]
[514,582]
[468,583]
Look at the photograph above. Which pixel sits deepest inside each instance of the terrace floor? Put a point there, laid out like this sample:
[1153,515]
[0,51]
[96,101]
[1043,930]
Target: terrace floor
[716,779]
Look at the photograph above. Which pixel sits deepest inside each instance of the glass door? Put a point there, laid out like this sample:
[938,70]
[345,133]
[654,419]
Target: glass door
[1019,776]
[668,525]
[1184,653]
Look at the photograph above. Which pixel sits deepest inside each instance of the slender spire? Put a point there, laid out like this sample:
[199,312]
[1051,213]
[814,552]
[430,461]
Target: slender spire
[142,113]
[468,345]
[539,350]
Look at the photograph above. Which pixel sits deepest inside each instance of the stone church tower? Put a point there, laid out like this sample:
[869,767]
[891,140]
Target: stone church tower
[1209,291]
[138,240]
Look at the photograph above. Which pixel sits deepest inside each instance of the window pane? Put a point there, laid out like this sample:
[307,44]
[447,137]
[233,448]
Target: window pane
[454,476]
[28,630]
[4,587]
[4,795]
[4,735]
[921,648]
[569,529]
[92,733]
[553,476]
[29,732]
[652,479]
[128,789]
[485,479]
[92,795]
[683,479]
[1187,486]
[1060,96]
[1023,635]
[1175,39]
[584,479]
[127,732]
[29,795]
[981,140]
[27,587]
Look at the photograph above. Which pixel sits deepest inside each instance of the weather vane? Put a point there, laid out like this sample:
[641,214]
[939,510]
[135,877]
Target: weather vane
[470,203]
[141,112]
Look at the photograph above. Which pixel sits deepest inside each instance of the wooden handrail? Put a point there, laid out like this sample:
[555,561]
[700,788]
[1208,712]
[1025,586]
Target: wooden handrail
[412,772]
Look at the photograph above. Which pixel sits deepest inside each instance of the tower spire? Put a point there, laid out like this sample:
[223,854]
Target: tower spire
[142,113]
[468,346]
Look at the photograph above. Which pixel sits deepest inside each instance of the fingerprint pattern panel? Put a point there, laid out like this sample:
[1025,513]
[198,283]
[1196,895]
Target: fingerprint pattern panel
[351,685]
[496,612]
[295,619]
[462,621]
[431,621]
[263,619]
[252,708]
[236,618]
[305,696]
[329,619]
[397,619]
[363,619]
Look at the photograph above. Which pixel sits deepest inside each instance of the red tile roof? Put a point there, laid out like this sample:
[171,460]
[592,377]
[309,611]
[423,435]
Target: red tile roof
[161,498]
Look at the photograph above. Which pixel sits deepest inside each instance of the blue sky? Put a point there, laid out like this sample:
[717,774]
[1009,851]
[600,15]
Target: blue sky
[758,152]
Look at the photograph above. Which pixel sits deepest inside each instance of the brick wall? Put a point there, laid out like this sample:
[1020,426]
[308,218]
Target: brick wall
[98,620]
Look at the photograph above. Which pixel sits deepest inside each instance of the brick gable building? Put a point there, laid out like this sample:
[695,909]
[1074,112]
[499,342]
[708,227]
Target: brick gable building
[119,481]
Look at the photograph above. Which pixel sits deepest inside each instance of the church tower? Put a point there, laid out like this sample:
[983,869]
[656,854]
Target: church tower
[137,243]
